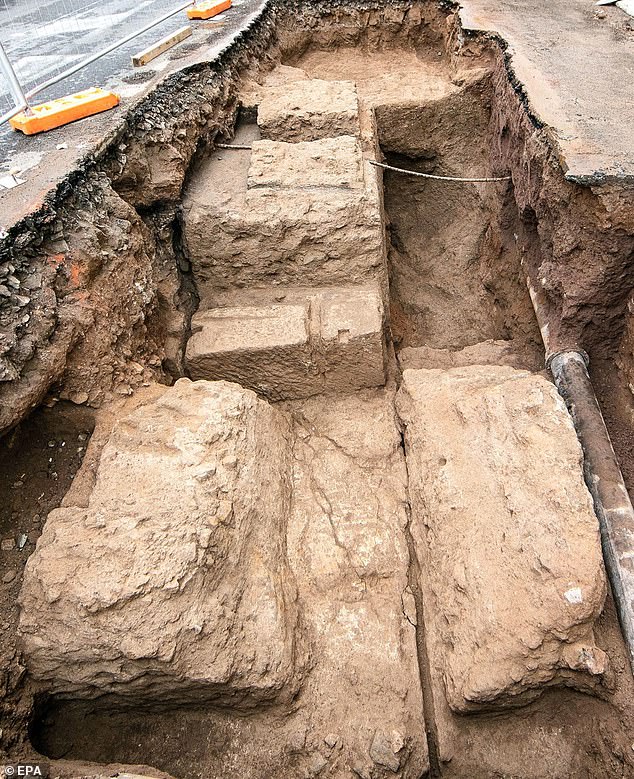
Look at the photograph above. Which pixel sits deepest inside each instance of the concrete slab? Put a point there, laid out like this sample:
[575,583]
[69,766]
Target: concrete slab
[576,71]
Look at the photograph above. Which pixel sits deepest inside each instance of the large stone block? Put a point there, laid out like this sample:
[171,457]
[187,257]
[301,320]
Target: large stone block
[330,163]
[171,585]
[311,342]
[76,769]
[483,353]
[295,215]
[308,110]
[512,563]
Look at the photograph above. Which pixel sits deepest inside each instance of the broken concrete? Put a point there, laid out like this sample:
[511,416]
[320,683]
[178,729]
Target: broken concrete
[170,584]
[309,110]
[512,565]
[311,342]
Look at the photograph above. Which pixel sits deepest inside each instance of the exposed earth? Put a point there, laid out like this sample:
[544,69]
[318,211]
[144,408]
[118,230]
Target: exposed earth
[289,490]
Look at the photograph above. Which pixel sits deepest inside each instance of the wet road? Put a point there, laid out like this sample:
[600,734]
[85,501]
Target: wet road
[44,37]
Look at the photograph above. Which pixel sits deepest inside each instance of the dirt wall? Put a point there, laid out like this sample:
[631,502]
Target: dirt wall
[578,242]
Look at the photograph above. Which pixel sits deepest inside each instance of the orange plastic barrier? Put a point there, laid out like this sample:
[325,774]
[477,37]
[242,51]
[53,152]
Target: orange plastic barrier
[206,10]
[56,113]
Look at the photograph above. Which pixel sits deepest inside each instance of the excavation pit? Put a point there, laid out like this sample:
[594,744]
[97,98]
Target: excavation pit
[332,520]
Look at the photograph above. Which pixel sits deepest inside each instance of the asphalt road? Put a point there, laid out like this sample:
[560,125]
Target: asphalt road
[44,37]
[43,160]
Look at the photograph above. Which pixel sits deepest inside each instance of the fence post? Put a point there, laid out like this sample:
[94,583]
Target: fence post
[14,85]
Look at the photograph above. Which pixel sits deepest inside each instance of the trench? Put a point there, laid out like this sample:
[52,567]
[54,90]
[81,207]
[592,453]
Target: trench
[452,284]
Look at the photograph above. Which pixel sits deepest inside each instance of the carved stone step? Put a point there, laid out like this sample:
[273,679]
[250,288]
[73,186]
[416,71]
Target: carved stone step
[314,341]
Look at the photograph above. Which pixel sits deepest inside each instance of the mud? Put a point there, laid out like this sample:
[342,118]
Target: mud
[40,458]
[109,288]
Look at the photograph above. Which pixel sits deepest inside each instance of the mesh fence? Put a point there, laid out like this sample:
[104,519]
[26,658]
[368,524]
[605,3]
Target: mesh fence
[6,100]
[43,38]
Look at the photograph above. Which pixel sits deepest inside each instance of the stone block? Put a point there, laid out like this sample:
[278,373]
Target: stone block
[315,341]
[329,163]
[348,549]
[293,216]
[308,110]
[512,569]
[171,585]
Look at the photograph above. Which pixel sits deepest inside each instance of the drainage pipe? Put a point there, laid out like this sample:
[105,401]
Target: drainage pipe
[569,368]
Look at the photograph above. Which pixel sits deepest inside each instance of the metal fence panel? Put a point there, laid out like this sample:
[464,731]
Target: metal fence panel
[7,102]
[46,38]
[12,97]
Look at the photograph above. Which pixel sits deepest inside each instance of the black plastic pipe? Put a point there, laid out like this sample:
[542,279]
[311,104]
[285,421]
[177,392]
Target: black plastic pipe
[602,473]
[605,481]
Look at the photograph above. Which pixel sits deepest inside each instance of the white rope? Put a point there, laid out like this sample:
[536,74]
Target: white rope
[396,170]
[435,177]
[233,146]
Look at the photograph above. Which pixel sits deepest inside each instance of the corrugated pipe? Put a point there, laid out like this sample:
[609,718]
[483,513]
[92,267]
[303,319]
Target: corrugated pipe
[569,368]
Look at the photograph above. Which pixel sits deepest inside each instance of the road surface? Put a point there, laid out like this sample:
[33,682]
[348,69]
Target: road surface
[44,37]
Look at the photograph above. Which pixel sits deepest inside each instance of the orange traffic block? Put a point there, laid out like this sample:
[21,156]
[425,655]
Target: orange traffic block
[207,9]
[56,113]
